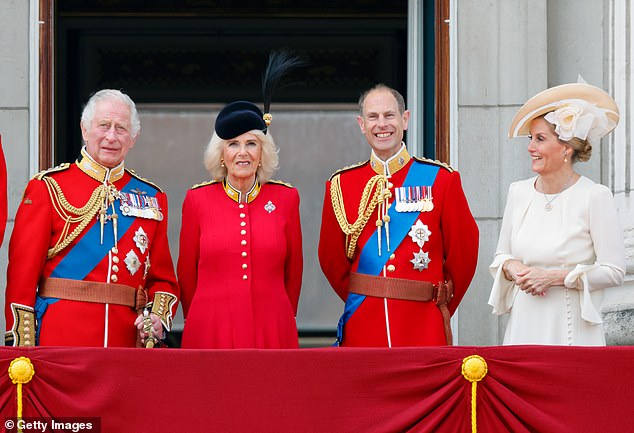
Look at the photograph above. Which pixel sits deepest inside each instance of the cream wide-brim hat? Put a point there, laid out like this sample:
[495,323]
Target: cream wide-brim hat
[558,96]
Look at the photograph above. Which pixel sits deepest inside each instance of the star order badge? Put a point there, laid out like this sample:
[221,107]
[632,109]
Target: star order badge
[141,240]
[421,260]
[419,233]
[269,207]
[132,262]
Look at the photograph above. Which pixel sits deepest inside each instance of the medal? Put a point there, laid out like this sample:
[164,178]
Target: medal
[419,233]
[141,206]
[421,260]
[132,262]
[141,239]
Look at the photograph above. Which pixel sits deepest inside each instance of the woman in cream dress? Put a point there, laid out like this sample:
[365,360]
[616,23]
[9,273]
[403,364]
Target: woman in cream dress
[560,243]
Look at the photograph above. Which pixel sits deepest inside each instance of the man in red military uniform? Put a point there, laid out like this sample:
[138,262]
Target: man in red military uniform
[398,242]
[89,249]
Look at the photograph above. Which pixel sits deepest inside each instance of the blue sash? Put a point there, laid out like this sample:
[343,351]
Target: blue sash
[370,262]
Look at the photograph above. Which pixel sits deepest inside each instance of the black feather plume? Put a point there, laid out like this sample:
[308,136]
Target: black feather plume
[280,63]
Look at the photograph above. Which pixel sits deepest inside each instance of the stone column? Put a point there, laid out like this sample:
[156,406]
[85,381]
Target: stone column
[618,161]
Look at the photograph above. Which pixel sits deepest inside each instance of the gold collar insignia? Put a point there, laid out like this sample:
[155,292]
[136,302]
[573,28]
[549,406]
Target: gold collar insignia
[98,171]
[237,196]
[392,165]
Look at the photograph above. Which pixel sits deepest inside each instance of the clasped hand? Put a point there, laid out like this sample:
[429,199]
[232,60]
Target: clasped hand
[533,280]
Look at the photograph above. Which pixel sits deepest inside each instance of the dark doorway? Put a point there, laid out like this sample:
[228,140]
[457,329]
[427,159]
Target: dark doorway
[214,51]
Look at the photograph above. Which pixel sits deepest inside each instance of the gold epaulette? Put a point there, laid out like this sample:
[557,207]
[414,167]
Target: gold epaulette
[348,167]
[279,182]
[43,173]
[434,162]
[142,179]
[209,182]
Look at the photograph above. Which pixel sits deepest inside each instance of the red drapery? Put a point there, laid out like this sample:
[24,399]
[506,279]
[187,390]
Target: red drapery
[527,389]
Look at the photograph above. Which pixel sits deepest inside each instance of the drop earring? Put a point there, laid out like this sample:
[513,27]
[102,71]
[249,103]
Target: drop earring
[222,163]
[565,156]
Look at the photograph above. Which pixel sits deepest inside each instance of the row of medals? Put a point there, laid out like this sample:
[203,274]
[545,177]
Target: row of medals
[413,199]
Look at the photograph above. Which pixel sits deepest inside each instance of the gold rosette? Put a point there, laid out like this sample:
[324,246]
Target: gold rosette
[474,368]
[21,371]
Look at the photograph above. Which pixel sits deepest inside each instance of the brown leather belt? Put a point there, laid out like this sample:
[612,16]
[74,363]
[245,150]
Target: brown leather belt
[409,290]
[92,291]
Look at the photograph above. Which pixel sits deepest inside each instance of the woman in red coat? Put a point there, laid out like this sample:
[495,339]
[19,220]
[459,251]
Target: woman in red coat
[240,260]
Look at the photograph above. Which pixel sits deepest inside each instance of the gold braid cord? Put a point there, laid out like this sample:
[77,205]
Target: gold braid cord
[71,214]
[369,201]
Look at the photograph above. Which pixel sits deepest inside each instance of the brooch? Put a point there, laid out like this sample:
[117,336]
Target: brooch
[269,207]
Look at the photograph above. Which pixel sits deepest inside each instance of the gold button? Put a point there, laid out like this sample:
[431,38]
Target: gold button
[390,184]
[243,232]
[391,268]
[115,268]
[243,242]
[244,277]
[242,224]
[244,265]
[114,250]
[242,215]
[115,259]
[241,206]
[244,253]
[392,256]
[27,322]
[114,278]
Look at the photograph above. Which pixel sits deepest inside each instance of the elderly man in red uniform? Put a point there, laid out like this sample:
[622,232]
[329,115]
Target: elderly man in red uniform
[89,249]
[398,242]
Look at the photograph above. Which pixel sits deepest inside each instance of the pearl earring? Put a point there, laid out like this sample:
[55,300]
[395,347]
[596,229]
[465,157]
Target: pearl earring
[222,163]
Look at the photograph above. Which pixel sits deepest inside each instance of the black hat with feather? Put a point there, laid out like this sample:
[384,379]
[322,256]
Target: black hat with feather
[239,117]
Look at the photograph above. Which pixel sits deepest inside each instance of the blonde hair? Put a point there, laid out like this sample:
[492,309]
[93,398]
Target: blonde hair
[270,159]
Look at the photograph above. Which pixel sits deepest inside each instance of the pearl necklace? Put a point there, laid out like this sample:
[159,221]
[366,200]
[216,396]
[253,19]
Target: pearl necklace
[548,206]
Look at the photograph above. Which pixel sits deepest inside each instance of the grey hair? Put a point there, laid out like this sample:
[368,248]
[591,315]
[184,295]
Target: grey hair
[400,101]
[270,157]
[88,114]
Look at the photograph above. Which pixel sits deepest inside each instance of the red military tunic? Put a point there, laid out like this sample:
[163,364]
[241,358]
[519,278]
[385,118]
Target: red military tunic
[447,251]
[240,266]
[139,259]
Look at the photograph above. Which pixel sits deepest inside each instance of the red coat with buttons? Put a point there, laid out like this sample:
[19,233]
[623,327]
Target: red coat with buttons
[38,228]
[240,268]
[452,248]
